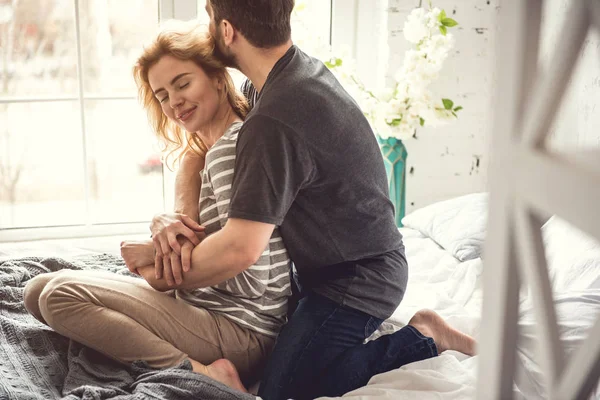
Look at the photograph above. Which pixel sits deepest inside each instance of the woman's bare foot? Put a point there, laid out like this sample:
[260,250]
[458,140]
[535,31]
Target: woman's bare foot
[221,370]
[430,324]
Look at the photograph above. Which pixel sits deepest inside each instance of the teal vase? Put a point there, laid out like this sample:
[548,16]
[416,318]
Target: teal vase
[394,157]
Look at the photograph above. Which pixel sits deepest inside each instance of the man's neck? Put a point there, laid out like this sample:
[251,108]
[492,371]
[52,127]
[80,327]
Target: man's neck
[257,63]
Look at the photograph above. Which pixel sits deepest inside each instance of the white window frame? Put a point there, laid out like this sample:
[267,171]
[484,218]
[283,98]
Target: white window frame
[346,15]
[167,9]
[362,27]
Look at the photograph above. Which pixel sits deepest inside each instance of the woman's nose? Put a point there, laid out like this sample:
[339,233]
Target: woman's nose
[175,101]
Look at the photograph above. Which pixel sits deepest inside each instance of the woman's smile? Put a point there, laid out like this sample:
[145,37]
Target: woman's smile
[185,115]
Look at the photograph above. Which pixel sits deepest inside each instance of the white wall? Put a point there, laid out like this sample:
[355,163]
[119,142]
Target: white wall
[578,122]
[444,160]
[449,161]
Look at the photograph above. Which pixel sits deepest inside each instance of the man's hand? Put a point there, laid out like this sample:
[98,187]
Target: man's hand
[166,228]
[137,254]
[171,266]
[219,257]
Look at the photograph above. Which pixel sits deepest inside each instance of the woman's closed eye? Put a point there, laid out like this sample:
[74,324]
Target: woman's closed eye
[179,88]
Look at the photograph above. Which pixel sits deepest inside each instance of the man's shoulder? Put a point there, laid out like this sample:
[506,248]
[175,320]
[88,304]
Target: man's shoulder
[263,122]
[298,78]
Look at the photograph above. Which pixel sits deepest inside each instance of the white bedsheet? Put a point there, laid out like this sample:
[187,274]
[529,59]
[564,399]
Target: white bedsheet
[437,281]
[443,377]
[453,289]
[440,282]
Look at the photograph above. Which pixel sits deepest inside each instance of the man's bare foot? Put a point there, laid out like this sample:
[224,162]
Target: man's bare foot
[221,370]
[430,324]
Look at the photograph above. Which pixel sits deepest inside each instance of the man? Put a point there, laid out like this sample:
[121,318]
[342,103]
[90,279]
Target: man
[308,162]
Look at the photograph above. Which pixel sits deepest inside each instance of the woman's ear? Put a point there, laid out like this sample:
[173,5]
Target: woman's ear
[219,83]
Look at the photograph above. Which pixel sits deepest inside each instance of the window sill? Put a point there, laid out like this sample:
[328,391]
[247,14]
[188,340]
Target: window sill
[69,232]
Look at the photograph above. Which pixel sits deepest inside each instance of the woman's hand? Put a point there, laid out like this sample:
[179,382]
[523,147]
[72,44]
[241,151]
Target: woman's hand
[166,228]
[137,254]
[171,266]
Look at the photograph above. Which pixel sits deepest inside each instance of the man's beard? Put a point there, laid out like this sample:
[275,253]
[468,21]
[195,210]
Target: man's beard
[222,54]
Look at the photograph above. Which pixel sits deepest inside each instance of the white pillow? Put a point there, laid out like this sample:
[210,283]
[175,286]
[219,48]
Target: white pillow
[573,256]
[458,225]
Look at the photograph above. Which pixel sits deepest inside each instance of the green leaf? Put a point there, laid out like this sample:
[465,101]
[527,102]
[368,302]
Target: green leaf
[421,121]
[448,104]
[453,113]
[300,7]
[442,15]
[458,108]
[395,122]
[334,62]
[449,22]
[443,29]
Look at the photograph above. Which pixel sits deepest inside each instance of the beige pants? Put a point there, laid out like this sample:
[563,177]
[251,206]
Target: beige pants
[126,319]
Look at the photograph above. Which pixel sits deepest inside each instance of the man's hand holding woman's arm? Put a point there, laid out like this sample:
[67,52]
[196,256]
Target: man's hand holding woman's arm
[222,255]
[167,229]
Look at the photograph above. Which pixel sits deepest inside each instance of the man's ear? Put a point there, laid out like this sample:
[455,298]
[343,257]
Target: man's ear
[228,32]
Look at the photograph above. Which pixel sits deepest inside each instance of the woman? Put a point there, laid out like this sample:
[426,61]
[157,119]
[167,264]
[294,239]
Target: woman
[219,329]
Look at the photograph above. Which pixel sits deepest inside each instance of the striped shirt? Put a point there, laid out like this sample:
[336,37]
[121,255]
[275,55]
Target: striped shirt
[249,92]
[256,298]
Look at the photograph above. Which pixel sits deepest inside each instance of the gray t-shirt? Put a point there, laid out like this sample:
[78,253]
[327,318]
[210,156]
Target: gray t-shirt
[308,162]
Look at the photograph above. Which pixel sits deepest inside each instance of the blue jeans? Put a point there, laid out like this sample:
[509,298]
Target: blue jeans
[320,351]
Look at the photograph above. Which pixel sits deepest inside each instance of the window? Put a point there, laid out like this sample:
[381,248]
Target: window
[77,156]
[311,23]
[75,147]
[311,28]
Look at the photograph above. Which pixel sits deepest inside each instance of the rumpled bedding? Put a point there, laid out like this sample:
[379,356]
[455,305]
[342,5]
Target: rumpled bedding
[36,363]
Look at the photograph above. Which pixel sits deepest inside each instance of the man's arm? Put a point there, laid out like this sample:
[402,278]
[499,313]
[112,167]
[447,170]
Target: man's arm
[220,256]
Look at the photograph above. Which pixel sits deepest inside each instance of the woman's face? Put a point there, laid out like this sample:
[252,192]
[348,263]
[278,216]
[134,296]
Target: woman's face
[186,94]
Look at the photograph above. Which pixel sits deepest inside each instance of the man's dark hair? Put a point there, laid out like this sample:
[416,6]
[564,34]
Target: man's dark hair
[264,23]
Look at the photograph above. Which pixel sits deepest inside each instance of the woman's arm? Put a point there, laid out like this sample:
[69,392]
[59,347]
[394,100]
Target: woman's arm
[166,228]
[139,257]
[188,182]
[148,274]
[221,256]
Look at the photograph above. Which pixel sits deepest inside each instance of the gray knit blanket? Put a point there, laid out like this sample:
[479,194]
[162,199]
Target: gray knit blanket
[37,363]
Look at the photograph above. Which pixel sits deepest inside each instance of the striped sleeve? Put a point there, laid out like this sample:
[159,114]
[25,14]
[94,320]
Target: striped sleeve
[219,171]
[249,92]
[252,283]
[209,214]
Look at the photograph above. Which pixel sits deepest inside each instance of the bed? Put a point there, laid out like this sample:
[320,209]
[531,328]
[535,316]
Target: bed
[444,245]
[36,363]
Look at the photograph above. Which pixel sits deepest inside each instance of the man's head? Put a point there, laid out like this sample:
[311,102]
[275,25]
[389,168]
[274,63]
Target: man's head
[263,23]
